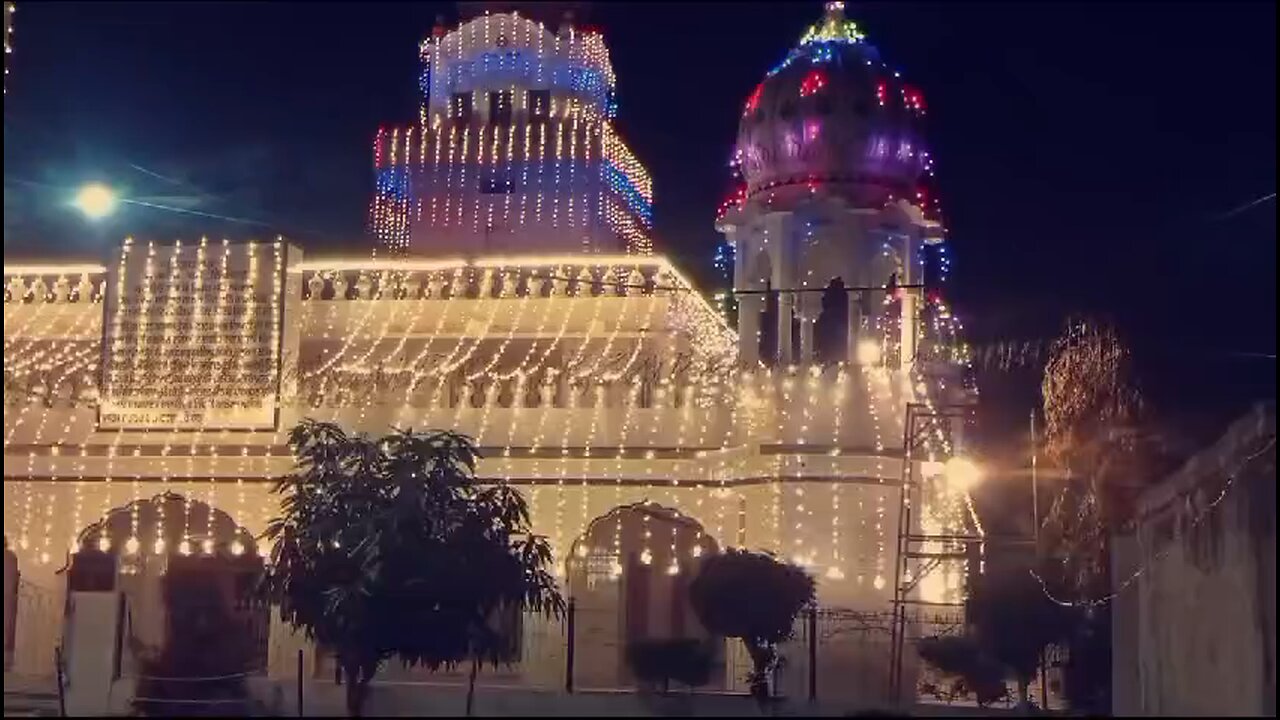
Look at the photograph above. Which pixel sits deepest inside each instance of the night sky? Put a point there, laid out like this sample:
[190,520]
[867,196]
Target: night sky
[1089,156]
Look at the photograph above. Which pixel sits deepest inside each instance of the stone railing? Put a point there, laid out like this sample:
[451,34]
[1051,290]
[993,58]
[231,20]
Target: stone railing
[54,283]
[435,281]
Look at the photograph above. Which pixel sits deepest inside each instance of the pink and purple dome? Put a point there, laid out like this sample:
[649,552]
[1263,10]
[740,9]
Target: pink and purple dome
[832,115]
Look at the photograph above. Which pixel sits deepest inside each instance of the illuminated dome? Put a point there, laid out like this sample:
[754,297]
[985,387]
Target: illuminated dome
[831,115]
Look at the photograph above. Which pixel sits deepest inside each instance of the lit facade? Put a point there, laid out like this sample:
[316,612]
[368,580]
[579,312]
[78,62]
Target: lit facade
[514,151]
[644,431]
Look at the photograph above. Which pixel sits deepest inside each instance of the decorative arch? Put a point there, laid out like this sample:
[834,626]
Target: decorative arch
[608,535]
[902,215]
[629,574]
[174,558]
[168,517]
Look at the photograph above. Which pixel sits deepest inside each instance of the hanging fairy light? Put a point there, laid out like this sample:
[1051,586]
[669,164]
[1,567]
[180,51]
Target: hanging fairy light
[576,112]
[592,343]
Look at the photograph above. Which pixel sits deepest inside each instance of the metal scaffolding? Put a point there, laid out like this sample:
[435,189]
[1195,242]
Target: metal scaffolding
[927,551]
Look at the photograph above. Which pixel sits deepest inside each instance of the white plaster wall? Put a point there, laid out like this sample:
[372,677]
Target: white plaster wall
[1195,633]
[797,520]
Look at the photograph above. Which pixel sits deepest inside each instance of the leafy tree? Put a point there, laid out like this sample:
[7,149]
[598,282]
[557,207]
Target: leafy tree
[753,597]
[1094,413]
[961,658]
[390,548]
[1092,406]
[1010,624]
[1015,622]
[685,660]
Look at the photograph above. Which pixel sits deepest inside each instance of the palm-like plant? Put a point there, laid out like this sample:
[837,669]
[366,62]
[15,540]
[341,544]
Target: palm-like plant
[390,548]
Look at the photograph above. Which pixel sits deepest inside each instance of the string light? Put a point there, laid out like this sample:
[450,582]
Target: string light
[1200,516]
[620,339]
[8,42]
[588,361]
[582,142]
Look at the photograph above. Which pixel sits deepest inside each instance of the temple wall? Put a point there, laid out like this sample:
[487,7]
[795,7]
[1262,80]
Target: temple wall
[846,526]
[802,461]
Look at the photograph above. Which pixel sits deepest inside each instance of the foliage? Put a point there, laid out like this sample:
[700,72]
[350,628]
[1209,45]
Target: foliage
[753,597]
[1088,386]
[1011,622]
[1015,622]
[687,661]
[1092,405]
[970,670]
[390,548]
[1093,408]
[1086,676]
[202,640]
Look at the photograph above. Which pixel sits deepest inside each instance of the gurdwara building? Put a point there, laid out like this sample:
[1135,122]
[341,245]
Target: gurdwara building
[516,297]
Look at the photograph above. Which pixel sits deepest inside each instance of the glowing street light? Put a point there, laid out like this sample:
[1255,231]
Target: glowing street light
[961,474]
[96,201]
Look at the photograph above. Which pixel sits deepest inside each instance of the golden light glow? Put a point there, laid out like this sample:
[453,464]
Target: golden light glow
[868,352]
[962,474]
[96,201]
[539,323]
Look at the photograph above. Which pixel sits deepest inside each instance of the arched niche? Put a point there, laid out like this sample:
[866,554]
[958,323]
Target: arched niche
[629,576]
[184,570]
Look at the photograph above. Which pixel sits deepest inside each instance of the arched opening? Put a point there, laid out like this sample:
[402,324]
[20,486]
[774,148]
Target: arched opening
[760,276]
[831,330]
[185,573]
[629,576]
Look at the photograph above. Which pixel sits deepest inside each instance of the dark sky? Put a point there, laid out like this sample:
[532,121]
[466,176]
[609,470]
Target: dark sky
[1088,154]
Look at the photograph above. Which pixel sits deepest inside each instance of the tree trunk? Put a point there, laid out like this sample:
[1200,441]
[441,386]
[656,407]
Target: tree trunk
[352,677]
[471,684]
[1044,678]
[761,659]
[357,679]
[1024,699]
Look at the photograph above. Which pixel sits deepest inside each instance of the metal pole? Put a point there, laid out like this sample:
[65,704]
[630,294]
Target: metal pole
[568,659]
[1035,533]
[813,653]
[300,713]
[899,607]
[1035,485]
[62,692]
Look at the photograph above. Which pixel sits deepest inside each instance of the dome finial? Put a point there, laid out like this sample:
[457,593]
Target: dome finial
[834,27]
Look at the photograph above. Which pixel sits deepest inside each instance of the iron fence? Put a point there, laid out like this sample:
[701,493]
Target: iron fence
[37,628]
[836,656]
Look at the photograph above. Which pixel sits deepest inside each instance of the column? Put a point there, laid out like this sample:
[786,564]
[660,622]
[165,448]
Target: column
[910,297]
[855,325]
[806,338]
[89,651]
[908,327]
[749,309]
[786,307]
